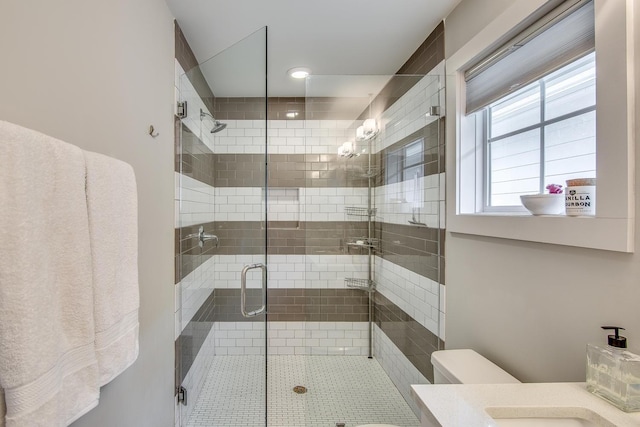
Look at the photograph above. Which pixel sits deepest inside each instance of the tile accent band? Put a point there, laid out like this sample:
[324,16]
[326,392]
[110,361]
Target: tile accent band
[418,249]
[295,305]
[414,340]
[324,305]
[196,160]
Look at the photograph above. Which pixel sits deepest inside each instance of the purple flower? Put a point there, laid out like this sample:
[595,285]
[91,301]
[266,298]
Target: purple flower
[554,188]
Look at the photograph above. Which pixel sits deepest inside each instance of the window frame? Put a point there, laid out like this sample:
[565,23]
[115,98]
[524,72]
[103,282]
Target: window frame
[613,226]
[540,125]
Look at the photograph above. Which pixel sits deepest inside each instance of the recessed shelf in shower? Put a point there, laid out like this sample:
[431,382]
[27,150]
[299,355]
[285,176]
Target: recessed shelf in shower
[283,207]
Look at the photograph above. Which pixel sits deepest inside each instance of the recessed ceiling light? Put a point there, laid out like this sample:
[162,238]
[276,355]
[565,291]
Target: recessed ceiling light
[299,72]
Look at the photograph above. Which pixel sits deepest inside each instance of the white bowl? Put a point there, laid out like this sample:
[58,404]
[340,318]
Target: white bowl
[543,204]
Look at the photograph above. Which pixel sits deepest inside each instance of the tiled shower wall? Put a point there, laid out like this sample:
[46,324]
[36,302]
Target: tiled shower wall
[409,308]
[219,185]
[311,311]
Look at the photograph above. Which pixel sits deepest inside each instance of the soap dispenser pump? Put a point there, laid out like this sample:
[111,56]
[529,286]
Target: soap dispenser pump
[613,372]
[615,340]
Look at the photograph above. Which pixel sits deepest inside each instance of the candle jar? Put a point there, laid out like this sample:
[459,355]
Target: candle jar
[580,197]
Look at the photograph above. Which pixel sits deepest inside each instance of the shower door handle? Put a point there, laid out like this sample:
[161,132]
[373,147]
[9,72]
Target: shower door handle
[243,290]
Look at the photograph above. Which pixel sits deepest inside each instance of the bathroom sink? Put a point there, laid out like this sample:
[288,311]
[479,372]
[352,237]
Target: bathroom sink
[531,416]
[517,405]
[544,422]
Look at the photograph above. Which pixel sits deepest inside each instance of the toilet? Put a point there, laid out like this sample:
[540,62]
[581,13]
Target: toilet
[465,366]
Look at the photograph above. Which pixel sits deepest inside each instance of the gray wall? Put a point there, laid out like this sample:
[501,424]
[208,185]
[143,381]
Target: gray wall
[533,307]
[96,74]
[467,19]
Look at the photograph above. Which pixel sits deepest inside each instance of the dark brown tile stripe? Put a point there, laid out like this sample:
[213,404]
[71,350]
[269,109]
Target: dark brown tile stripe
[189,255]
[183,52]
[428,55]
[295,305]
[418,249]
[277,108]
[330,170]
[330,237]
[318,305]
[333,108]
[288,170]
[192,337]
[239,170]
[242,108]
[240,237]
[177,149]
[189,64]
[433,157]
[196,159]
[248,237]
[414,340]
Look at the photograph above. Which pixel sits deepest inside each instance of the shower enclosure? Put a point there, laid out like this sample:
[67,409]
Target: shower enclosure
[309,239]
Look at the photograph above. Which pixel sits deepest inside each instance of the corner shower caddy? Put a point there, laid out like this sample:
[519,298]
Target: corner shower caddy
[368,243]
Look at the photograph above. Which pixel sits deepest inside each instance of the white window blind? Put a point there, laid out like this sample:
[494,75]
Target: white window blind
[560,37]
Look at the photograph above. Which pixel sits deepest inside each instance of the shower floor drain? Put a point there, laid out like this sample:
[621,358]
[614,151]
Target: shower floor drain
[300,389]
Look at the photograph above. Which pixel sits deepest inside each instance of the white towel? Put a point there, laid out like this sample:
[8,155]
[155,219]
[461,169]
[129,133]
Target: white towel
[113,227]
[48,368]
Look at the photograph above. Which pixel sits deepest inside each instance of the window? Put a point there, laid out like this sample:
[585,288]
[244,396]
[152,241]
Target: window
[541,134]
[405,163]
[477,83]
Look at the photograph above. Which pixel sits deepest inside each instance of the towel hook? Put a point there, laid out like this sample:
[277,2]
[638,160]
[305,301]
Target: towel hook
[152,130]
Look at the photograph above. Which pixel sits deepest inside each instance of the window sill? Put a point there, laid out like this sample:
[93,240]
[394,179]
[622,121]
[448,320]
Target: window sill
[610,234]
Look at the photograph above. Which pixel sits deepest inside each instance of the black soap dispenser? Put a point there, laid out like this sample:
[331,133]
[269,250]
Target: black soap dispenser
[613,372]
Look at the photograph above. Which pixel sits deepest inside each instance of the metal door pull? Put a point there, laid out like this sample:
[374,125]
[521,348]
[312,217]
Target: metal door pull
[243,290]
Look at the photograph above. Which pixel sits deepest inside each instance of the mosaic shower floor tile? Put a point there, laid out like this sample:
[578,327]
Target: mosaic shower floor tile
[349,389]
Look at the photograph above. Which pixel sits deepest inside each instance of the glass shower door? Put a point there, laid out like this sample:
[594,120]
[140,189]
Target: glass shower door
[221,238]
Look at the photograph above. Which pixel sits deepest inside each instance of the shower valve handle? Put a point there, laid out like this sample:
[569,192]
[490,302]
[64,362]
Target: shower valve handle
[204,237]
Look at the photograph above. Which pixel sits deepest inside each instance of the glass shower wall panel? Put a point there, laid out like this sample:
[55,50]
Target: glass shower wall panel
[221,236]
[374,222]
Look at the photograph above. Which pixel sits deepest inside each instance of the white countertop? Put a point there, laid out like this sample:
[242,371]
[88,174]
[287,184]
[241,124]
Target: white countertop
[456,405]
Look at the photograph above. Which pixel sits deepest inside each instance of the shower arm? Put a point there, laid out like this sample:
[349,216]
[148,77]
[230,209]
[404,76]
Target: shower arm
[203,114]
[217,124]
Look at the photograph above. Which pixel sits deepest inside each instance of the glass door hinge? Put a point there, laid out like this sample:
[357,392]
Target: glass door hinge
[181,110]
[182,395]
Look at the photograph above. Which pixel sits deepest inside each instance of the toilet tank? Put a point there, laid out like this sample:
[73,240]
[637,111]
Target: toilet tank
[465,366]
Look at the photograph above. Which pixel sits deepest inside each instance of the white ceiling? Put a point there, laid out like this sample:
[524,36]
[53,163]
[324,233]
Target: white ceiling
[332,37]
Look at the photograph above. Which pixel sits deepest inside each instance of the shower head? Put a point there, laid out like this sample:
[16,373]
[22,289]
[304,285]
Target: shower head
[217,125]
